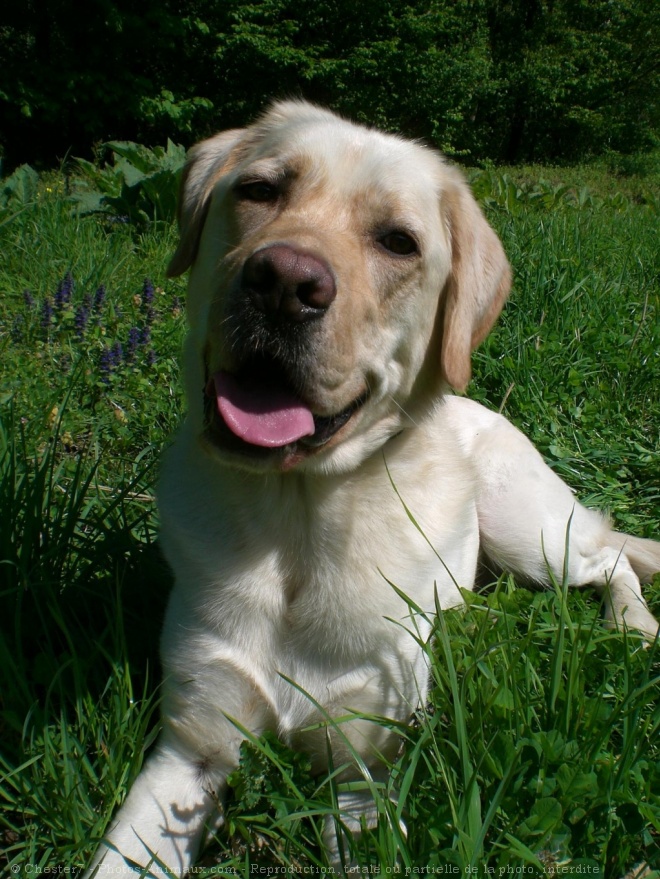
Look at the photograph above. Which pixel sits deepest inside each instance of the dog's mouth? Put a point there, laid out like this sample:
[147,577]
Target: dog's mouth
[255,410]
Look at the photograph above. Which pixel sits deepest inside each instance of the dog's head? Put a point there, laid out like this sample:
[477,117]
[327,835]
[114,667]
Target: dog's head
[340,279]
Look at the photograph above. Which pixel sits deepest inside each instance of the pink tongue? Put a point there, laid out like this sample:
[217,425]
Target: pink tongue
[261,415]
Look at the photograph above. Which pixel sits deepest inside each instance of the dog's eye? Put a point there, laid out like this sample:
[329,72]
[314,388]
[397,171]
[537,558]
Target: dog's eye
[398,243]
[257,190]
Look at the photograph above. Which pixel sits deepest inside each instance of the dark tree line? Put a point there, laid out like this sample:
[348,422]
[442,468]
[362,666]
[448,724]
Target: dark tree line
[506,80]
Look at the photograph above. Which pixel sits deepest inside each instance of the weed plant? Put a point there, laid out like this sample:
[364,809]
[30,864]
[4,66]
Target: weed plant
[538,751]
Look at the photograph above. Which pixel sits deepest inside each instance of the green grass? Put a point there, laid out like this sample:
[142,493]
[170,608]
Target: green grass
[539,748]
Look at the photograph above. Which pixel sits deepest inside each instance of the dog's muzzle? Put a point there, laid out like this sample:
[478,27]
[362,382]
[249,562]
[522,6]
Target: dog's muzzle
[258,404]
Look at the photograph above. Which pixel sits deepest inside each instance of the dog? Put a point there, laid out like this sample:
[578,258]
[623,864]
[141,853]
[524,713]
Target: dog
[340,278]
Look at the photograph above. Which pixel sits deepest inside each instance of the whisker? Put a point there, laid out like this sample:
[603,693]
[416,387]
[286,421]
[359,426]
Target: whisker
[407,414]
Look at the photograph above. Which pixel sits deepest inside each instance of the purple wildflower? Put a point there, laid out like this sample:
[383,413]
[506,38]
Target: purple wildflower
[46,315]
[64,290]
[117,352]
[147,306]
[147,293]
[80,320]
[132,344]
[106,364]
[28,299]
[145,336]
[99,298]
[151,357]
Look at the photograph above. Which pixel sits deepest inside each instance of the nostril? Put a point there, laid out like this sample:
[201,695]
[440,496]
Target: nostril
[318,293]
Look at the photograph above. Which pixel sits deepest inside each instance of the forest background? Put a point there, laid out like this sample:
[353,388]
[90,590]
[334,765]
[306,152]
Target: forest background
[500,80]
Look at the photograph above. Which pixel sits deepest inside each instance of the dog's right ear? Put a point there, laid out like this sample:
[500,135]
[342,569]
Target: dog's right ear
[206,162]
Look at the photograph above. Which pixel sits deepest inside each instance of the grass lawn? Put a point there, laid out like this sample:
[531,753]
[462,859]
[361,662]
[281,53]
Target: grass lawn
[539,750]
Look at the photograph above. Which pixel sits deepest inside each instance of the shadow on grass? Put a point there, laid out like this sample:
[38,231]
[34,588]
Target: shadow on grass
[83,585]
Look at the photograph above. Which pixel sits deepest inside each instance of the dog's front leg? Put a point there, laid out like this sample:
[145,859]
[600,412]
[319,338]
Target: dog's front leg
[531,524]
[358,809]
[162,822]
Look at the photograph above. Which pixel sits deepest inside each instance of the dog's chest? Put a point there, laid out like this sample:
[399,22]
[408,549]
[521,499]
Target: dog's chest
[314,565]
[300,579]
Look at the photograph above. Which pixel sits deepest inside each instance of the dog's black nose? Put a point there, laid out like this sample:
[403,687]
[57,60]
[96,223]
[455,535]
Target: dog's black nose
[289,284]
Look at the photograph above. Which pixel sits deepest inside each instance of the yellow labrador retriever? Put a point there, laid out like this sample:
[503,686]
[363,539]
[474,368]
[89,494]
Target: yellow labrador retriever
[340,278]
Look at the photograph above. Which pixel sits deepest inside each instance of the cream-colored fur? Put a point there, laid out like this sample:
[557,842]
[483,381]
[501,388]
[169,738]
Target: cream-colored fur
[282,555]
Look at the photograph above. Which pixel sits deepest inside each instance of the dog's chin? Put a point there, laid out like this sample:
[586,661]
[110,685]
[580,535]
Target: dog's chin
[219,439]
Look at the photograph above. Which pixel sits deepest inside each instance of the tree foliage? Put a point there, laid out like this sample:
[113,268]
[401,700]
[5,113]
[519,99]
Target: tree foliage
[500,79]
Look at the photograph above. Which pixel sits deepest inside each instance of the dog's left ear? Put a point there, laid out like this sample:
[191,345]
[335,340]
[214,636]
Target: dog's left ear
[206,163]
[477,287]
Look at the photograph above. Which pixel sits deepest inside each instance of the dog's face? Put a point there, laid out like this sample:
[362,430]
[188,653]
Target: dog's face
[339,277]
